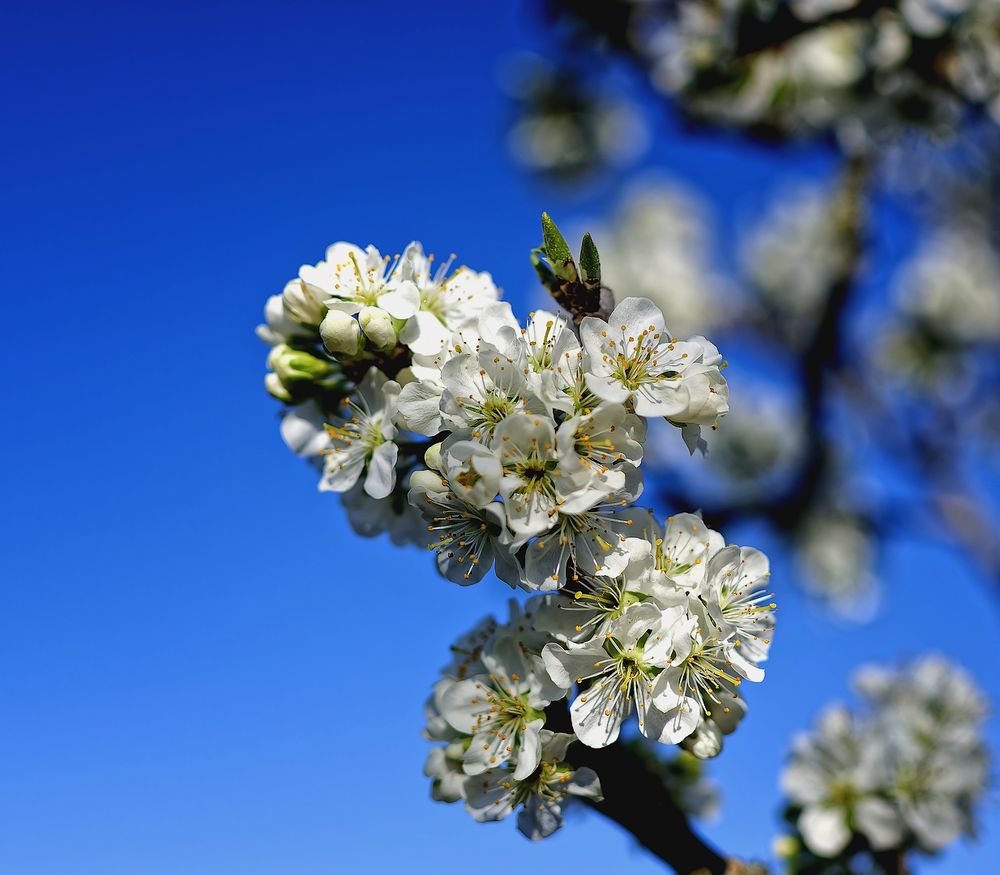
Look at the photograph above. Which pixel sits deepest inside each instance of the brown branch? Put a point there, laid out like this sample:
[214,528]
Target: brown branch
[638,801]
[892,862]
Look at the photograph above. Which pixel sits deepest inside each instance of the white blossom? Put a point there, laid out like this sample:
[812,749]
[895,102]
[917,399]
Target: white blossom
[448,301]
[497,792]
[351,278]
[836,776]
[361,441]
[502,709]
[468,539]
[537,481]
[632,357]
[621,665]
[906,771]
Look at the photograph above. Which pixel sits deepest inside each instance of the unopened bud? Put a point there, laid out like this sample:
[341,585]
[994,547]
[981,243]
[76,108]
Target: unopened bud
[296,366]
[340,332]
[301,305]
[427,481]
[432,458]
[378,328]
[276,389]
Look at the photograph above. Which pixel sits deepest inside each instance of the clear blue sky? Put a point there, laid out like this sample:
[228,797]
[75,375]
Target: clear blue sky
[202,670]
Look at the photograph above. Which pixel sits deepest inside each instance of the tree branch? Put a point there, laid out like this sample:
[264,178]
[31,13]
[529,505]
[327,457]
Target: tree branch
[638,801]
[819,359]
[892,862]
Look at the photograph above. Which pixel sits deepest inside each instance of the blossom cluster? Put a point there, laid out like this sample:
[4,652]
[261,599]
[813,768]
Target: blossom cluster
[668,633]
[809,66]
[531,435]
[520,446]
[903,774]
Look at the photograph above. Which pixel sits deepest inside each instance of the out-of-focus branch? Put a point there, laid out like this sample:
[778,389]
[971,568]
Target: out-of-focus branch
[929,453]
[892,862]
[818,362]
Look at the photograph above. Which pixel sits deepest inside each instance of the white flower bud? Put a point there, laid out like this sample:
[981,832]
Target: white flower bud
[432,458]
[427,481]
[340,333]
[377,326]
[301,305]
[275,388]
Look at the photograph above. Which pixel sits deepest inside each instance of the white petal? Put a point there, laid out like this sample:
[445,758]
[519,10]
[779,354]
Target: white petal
[596,721]
[420,407]
[401,303]
[529,754]
[880,822]
[425,334]
[824,830]
[382,471]
[302,430]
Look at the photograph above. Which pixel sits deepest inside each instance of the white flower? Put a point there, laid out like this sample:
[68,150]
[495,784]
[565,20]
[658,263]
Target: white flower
[468,539]
[483,388]
[444,766]
[838,777]
[794,253]
[447,302]
[302,430]
[351,278]
[496,793]
[622,665]
[837,556]
[603,438]
[279,328]
[501,709]
[370,517]
[600,599]
[591,537]
[547,346]
[537,482]
[363,439]
[932,714]
[632,357]
[473,472]
[681,552]
[738,601]
[702,676]
[950,287]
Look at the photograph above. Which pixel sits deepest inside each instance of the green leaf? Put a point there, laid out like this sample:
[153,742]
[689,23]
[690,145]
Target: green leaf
[590,261]
[557,250]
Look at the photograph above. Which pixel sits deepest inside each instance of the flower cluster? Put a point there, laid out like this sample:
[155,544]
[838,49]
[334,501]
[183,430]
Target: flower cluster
[904,774]
[531,435]
[815,66]
[488,711]
[668,631]
[520,446]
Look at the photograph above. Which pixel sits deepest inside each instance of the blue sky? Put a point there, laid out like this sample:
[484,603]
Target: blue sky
[202,670]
